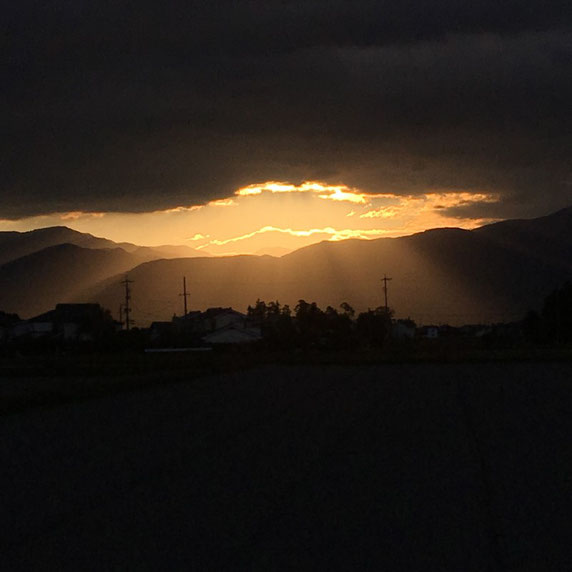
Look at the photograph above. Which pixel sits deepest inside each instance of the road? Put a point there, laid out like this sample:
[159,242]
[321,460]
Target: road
[456,467]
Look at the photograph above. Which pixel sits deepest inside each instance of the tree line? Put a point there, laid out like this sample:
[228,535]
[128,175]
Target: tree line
[553,324]
[310,326]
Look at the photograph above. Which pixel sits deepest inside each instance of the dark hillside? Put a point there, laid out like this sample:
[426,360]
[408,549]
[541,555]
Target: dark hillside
[495,273]
[36,283]
[13,245]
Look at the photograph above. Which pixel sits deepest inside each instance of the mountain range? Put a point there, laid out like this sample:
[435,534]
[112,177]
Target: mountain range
[14,245]
[445,275]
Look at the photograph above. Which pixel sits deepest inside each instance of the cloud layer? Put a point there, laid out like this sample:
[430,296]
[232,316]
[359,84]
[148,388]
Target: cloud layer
[275,218]
[140,107]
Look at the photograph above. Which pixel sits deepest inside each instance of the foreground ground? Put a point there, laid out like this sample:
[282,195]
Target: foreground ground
[454,467]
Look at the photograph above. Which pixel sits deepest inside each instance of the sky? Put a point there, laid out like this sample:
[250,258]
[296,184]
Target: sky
[263,126]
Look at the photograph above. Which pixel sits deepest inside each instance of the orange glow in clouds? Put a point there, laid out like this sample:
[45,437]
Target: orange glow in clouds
[275,218]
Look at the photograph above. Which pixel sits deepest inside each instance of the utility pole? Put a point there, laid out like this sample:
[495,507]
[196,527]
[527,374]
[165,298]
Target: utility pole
[385,280]
[126,307]
[121,314]
[185,294]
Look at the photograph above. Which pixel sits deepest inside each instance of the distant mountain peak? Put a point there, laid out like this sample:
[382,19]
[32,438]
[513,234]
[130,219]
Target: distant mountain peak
[442,274]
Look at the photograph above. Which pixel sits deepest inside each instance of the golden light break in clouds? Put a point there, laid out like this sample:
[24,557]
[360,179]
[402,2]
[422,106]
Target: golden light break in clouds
[275,217]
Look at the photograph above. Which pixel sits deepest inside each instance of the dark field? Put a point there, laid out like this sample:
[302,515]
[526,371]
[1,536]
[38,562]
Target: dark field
[425,467]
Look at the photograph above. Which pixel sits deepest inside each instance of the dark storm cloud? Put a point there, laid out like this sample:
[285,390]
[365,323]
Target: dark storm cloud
[135,107]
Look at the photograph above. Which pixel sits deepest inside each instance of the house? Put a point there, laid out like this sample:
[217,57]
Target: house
[39,326]
[69,322]
[211,327]
[429,332]
[403,330]
[160,331]
[233,334]
[189,324]
[475,330]
[227,326]
[7,323]
[219,318]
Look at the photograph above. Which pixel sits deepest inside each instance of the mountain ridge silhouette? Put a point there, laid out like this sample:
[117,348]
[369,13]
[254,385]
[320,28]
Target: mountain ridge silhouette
[493,273]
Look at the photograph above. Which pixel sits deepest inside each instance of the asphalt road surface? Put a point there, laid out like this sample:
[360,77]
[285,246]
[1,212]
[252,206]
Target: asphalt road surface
[393,467]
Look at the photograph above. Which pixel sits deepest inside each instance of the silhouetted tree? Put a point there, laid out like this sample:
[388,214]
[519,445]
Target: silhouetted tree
[532,327]
[275,322]
[348,310]
[338,328]
[273,309]
[257,313]
[557,315]
[373,326]
[309,322]
[278,327]
[311,327]
[7,319]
